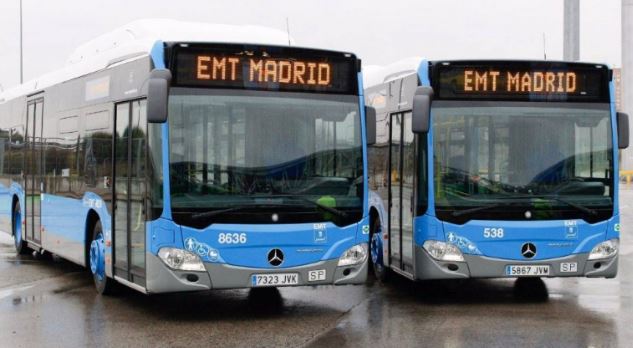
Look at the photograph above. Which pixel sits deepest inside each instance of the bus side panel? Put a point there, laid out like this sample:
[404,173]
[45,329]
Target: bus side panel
[11,157]
[63,221]
[376,203]
[17,191]
[5,208]
[78,148]
[5,180]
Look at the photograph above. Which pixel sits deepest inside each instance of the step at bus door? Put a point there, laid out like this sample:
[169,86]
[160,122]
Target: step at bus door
[130,150]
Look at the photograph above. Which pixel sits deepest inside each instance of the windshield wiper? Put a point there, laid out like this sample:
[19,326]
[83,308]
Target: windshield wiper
[334,211]
[569,203]
[211,213]
[554,198]
[476,209]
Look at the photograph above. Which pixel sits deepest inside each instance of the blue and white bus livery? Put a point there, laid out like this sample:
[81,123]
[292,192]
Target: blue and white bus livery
[202,157]
[487,169]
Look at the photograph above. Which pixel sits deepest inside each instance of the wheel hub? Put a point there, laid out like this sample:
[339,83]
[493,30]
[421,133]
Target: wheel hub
[97,257]
[376,248]
[17,229]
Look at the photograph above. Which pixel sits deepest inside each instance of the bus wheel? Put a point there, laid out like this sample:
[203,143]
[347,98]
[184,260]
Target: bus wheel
[104,285]
[19,242]
[376,251]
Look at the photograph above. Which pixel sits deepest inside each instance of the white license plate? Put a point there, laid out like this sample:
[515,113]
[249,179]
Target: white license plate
[316,275]
[569,267]
[527,271]
[275,279]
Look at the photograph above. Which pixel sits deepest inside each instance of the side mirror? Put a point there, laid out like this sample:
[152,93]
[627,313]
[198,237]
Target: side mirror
[421,118]
[158,95]
[623,130]
[370,124]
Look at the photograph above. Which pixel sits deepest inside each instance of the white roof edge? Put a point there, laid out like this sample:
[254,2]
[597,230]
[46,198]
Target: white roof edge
[136,39]
[376,74]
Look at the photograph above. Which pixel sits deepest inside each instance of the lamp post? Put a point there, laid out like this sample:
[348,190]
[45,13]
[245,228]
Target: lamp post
[21,52]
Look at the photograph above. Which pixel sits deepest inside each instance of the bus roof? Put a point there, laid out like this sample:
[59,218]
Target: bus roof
[136,39]
[376,74]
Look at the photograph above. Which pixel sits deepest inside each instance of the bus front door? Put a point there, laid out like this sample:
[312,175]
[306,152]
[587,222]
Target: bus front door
[130,150]
[33,169]
[401,191]
[395,194]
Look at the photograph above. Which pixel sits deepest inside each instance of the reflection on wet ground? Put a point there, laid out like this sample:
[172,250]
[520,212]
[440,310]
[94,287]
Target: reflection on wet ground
[52,303]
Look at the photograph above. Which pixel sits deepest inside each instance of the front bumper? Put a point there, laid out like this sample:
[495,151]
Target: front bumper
[162,279]
[475,266]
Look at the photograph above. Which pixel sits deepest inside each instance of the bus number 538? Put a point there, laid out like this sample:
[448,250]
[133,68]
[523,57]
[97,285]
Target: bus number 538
[490,232]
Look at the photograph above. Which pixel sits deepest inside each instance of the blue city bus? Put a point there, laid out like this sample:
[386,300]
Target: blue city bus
[487,169]
[229,160]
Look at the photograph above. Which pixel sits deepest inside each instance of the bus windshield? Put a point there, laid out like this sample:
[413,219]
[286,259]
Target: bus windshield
[264,157]
[515,161]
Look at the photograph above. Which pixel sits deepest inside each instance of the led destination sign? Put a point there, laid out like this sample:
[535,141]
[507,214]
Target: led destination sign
[476,80]
[276,68]
[522,81]
[225,69]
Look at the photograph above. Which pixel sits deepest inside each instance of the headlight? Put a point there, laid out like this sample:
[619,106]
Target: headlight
[354,255]
[605,249]
[181,260]
[443,251]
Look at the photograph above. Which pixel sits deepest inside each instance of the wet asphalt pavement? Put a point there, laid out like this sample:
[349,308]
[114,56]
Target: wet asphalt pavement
[47,302]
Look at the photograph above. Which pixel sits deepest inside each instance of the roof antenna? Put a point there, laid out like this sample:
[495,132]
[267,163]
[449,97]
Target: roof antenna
[288,30]
[544,52]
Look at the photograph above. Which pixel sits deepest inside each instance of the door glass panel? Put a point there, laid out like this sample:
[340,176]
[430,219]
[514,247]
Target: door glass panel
[38,182]
[137,185]
[394,188]
[30,191]
[408,159]
[121,133]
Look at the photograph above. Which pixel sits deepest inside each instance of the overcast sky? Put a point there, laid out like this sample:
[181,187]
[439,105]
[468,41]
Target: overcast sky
[379,32]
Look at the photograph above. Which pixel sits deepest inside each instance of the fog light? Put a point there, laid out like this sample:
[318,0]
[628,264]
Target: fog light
[354,255]
[605,249]
[443,251]
[181,260]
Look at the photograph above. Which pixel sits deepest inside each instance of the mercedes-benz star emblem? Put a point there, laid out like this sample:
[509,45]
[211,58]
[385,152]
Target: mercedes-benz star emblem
[275,257]
[528,250]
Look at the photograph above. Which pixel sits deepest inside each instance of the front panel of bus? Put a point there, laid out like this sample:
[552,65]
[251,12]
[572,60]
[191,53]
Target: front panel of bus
[265,169]
[522,161]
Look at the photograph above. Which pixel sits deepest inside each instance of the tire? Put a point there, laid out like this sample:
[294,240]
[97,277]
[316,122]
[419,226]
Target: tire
[103,284]
[21,247]
[376,245]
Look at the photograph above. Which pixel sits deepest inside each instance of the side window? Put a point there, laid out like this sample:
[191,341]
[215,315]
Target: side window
[50,148]
[97,143]
[408,173]
[16,153]
[378,156]
[5,138]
